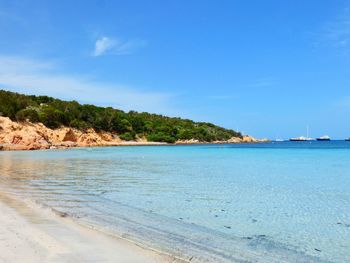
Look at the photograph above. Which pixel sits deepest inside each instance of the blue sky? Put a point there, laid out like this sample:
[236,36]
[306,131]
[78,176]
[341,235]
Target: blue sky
[267,68]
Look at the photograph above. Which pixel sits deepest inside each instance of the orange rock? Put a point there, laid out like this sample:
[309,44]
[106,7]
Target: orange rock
[70,136]
[235,140]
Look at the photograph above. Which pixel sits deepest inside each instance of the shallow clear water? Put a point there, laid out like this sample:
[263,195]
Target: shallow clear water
[273,202]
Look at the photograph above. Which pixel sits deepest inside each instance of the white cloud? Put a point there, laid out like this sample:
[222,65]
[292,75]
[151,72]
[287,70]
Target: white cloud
[107,45]
[42,78]
[103,45]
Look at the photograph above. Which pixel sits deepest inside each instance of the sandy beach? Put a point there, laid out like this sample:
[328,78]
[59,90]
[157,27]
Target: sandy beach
[30,234]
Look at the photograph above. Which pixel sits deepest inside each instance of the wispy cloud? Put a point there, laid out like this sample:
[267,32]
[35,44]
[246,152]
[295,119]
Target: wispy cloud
[260,83]
[17,65]
[40,77]
[10,17]
[338,31]
[343,103]
[108,45]
[221,97]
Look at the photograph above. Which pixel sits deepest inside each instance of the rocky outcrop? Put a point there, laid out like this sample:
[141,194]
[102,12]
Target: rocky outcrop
[235,140]
[190,141]
[34,136]
[21,137]
[30,136]
[246,139]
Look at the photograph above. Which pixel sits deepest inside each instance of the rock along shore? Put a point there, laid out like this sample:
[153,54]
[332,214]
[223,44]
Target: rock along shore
[36,136]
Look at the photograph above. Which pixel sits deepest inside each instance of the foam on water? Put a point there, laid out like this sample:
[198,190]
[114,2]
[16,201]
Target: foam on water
[283,202]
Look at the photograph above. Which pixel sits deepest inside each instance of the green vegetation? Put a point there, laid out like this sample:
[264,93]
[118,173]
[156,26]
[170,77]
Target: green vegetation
[55,113]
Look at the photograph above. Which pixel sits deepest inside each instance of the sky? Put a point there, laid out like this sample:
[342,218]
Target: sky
[266,68]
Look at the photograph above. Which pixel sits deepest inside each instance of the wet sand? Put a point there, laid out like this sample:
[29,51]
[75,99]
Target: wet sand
[30,234]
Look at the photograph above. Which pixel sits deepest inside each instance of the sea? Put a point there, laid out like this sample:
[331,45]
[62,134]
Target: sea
[266,202]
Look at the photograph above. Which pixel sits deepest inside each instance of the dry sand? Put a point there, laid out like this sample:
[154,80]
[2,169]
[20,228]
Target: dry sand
[30,234]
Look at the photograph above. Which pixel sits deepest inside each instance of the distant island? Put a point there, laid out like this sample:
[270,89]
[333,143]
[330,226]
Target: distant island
[48,122]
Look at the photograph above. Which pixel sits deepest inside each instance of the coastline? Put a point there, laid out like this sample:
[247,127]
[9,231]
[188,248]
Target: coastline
[36,136]
[31,234]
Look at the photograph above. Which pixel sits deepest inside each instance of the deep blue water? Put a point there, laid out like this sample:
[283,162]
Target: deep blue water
[271,202]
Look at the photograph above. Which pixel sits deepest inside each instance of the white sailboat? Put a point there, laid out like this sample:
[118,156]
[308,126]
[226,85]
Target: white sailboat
[279,139]
[302,138]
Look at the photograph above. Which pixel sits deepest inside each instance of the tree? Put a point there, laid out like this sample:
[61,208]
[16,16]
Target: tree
[55,113]
[29,114]
[51,117]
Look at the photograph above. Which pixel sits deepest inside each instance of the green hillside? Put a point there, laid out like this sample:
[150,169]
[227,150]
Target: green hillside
[55,113]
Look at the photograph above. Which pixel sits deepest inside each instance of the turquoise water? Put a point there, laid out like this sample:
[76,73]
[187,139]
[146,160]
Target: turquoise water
[273,202]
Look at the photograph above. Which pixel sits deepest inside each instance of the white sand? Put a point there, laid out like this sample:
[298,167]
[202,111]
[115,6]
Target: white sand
[29,234]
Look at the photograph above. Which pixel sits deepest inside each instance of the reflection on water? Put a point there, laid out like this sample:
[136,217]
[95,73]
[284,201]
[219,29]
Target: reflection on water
[214,203]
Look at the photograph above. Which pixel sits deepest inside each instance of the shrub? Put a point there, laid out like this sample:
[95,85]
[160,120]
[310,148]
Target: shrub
[160,137]
[128,136]
[28,114]
[79,124]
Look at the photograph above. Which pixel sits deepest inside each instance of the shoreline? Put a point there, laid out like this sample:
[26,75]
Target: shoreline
[36,136]
[9,148]
[33,234]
